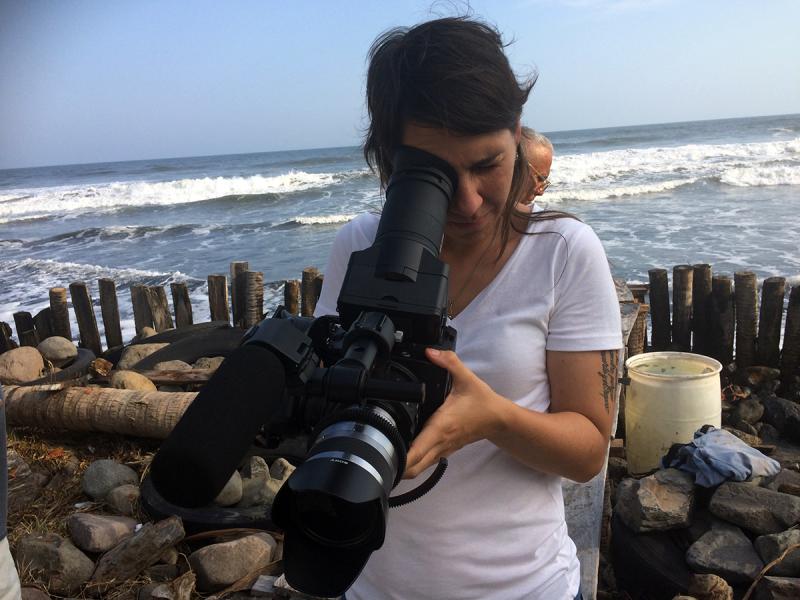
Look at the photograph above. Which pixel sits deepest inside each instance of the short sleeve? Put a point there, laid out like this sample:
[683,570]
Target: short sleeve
[585,314]
[355,235]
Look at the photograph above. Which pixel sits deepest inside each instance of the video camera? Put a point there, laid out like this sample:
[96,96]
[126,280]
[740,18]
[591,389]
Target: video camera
[359,383]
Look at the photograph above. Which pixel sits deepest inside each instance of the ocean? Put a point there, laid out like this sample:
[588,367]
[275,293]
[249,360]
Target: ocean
[723,192]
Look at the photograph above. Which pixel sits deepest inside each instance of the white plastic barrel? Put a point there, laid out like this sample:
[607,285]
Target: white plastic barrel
[669,397]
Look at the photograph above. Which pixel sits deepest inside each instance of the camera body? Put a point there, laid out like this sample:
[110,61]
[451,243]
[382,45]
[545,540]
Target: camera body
[358,386]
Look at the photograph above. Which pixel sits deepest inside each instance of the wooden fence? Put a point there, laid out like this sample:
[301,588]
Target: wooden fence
[716,315]
[243,306]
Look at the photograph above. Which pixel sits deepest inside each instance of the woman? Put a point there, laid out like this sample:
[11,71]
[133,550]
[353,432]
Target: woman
[538,326]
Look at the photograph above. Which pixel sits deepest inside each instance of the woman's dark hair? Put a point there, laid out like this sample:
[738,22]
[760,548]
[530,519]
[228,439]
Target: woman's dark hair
[450,73]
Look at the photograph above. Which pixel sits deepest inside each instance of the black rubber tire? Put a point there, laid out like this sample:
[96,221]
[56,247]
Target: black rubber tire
[170,336]
[213,342]
[77,368]
[207,518]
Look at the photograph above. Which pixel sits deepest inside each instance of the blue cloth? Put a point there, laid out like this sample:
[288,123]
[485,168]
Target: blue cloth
[716,455]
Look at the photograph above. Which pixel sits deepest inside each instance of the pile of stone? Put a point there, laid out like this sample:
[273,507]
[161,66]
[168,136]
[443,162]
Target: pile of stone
[113,550]
[739,535]
[107,546]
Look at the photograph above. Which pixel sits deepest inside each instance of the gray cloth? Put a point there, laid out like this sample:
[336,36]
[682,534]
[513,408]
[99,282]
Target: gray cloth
[716,455]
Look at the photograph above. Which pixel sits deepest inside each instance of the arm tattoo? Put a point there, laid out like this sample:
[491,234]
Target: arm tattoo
[608,374]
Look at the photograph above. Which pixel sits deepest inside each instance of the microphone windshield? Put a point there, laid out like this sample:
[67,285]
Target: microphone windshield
[195,462]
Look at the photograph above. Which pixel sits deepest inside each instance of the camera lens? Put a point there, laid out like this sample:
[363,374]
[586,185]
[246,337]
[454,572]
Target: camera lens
[333,521]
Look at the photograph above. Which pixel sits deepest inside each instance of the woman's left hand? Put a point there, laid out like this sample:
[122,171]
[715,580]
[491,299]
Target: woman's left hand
[469,413]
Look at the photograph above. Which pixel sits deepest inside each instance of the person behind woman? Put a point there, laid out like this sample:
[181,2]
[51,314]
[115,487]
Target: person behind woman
[538,326]
[539,152]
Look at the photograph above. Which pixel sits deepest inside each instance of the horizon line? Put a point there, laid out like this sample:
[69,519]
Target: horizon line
[550,132]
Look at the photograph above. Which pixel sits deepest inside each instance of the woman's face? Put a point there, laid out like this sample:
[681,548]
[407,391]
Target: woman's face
[485,167]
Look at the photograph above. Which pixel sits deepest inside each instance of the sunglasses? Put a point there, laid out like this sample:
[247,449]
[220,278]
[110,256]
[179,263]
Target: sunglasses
[541,181]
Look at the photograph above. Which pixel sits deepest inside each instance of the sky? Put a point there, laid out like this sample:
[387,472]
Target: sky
[98,81]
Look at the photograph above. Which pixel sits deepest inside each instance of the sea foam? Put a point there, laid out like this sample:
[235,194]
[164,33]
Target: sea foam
[44,202]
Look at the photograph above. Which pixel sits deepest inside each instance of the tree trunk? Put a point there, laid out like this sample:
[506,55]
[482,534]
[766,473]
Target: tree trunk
[129,412]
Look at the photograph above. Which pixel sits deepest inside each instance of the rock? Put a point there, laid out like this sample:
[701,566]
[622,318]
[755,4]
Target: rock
[133,354]
[98,533]
[748,438]
[54,561]
[782,414]
[172,365]
[24,485]
[755,508]
[130,380]
[181,588]
[758,377]
[617,468]
[21,365]
[208,362]
[777,588]
[29,593]
[58,350]
[767,433]
[770,547]
[710,587]
[170,557]
[145,591]
[255,467]
[219,565]
[123,499]
[104,475]
[749,410]
[147,332]
[133,555]
[725,551]
[660,501]
[101,367]
[281,469]
[258,491]
[170,388]
[232,492]
[162,573]
[783,478]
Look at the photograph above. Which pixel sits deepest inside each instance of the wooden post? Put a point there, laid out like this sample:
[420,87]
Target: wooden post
[181,304]
[253,298]
[43,323]
[769,322]
[639,291]
[790,356]
[637,340]
[6,341]
[682,307]
[318,281]
[659,308]
[238,286]
[723,317]
[84,314]
[701,309]
[291,295]
[109,310]
[218,298]
[746,296]
[142,317]
[26,330]
[59,313]
[308,298]
[159,308]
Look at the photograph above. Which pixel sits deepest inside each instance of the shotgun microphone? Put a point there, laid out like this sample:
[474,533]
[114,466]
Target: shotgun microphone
[195,462]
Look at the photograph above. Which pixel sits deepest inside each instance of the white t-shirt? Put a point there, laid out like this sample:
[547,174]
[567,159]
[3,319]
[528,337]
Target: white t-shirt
[493,528]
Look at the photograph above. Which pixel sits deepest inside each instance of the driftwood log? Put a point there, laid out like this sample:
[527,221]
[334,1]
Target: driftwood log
[127,412]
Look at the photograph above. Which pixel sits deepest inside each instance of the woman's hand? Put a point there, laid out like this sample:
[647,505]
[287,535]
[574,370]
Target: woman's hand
[470,412]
